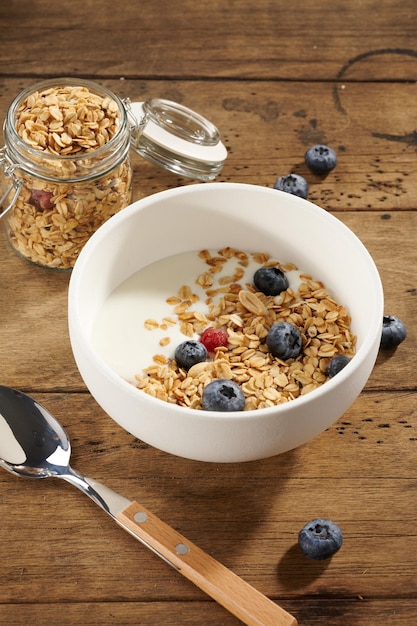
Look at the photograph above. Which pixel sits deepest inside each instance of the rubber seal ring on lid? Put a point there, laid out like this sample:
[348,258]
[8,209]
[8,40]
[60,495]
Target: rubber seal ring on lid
[176,138]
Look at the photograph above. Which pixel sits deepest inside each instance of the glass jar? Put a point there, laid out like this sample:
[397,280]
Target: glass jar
[65,167]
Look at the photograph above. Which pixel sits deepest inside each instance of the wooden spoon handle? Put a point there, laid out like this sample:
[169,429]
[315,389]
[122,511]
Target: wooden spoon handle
[220,583]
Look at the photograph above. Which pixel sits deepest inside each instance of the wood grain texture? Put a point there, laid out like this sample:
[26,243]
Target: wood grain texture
[332,612]
[272,40]
[275,78]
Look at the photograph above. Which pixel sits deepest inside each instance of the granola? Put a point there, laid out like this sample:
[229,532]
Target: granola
[247,315]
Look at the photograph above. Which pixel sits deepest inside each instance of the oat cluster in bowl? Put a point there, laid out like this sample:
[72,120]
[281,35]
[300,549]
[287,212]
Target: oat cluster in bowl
[74,176]
[247,315]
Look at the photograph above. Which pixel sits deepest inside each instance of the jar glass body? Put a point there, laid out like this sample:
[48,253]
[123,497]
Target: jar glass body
[57,199]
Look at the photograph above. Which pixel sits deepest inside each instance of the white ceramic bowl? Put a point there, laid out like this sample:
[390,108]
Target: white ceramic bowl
[251,218]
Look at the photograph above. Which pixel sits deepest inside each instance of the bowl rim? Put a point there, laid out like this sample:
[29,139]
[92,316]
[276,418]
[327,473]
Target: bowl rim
[109,374]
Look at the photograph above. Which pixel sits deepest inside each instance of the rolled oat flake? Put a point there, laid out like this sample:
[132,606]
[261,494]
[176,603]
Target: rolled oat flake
[65,166]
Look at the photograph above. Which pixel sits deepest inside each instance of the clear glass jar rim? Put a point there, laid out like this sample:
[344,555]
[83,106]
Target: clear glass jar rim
[11,134]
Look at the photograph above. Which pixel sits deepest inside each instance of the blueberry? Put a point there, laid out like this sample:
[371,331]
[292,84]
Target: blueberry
[320,539]
[284,340]
[337,363]
[270,280]
[320,159]
[294,184]
[189,353]
[223,395]
[393,331]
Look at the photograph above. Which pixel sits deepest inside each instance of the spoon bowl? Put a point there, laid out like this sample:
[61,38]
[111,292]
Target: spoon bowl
[35,449]
[34,445]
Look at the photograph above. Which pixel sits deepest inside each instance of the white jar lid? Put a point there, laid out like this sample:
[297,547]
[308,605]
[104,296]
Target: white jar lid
[176,138]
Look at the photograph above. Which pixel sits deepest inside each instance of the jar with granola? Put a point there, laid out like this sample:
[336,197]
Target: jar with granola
[65,167]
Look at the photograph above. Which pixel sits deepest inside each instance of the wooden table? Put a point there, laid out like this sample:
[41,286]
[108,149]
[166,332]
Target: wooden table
[276,78]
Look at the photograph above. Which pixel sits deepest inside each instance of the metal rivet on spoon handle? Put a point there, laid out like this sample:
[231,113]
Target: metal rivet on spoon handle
[34,445]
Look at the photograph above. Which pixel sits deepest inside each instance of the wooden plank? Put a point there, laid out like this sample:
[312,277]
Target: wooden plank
[118,613]
[152,40]
[311,611]
[394,252]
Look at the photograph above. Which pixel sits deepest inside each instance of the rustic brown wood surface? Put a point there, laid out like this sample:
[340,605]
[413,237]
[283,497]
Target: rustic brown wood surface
[276,78]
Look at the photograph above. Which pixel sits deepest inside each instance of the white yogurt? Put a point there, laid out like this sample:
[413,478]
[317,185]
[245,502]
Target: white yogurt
[120,336]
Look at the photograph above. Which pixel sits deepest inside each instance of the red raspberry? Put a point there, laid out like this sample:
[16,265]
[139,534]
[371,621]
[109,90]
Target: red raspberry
[213,338]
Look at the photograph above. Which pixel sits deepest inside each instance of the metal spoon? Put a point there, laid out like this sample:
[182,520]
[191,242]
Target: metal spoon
[33,444]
